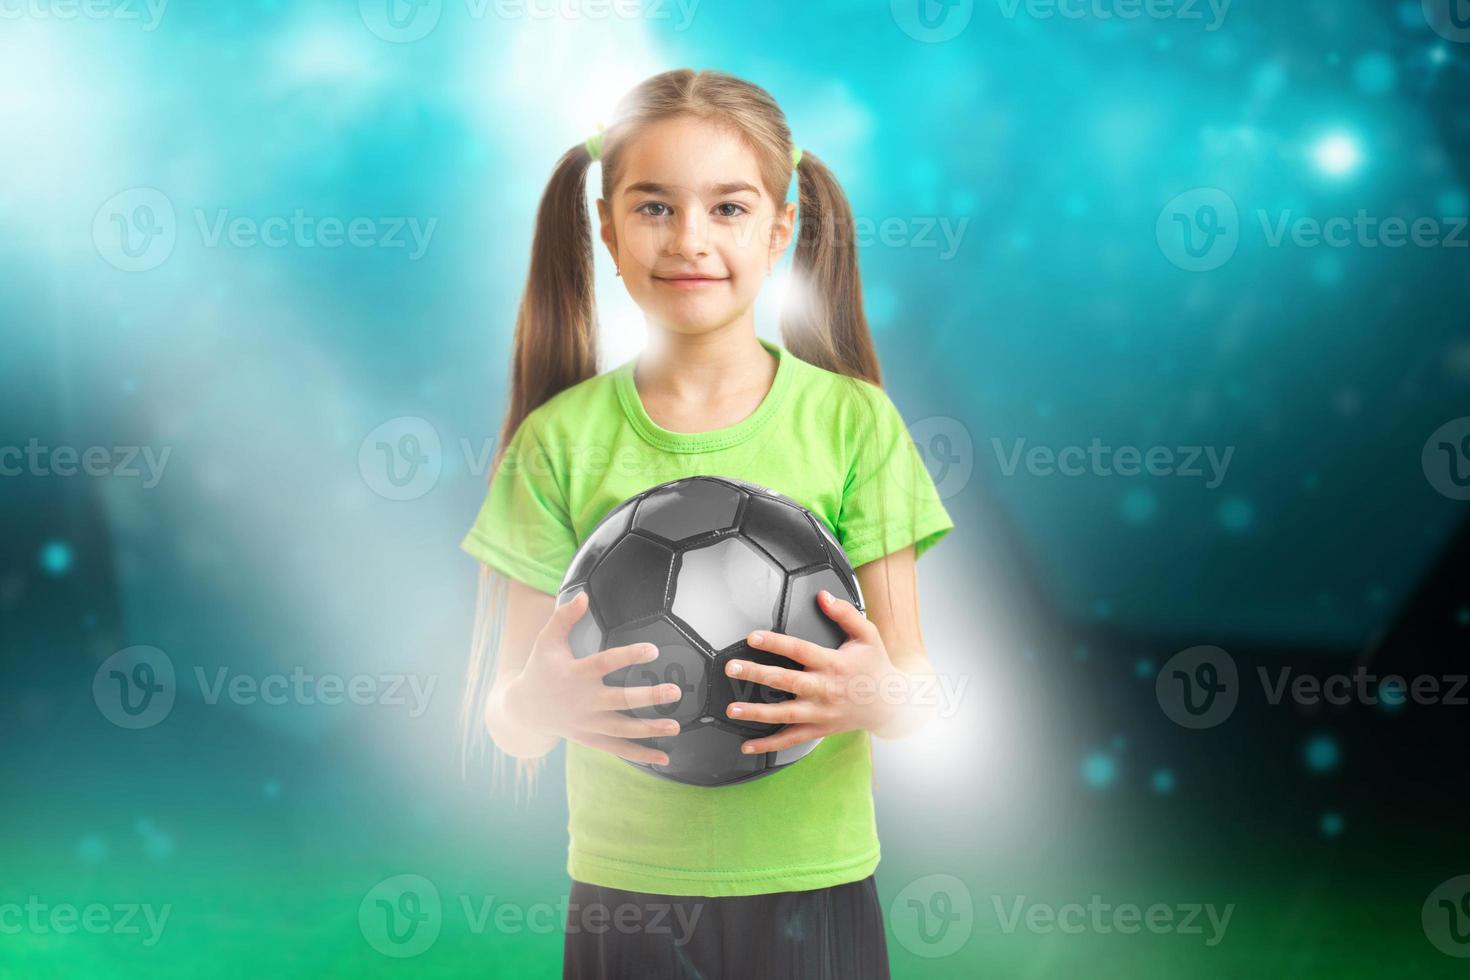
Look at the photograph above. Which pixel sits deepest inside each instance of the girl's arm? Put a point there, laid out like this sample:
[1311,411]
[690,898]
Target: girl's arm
[526,612]
[542,694]
[891,592]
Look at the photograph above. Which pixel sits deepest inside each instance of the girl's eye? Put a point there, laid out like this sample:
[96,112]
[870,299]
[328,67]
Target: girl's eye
[739,209]
[643,209]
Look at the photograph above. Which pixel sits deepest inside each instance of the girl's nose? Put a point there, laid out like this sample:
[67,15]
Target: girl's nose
[691,237]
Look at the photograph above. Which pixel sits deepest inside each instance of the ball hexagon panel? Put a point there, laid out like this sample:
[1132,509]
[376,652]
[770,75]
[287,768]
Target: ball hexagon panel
[726,589]
[785,533]
[603,537]
[632,581]
[706,755]
[804,618]
[688,508]
[839,560]
[679,662]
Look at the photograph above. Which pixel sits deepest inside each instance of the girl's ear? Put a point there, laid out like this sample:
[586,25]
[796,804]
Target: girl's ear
[605,229]
[781,229]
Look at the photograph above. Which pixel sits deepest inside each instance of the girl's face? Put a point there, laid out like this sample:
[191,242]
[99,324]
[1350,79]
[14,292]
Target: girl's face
[691,227]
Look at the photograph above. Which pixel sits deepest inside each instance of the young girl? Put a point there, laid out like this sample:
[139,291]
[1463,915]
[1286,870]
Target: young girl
[770,878]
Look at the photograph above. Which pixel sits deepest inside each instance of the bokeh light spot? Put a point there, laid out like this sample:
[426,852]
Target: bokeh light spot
[1099,770]
[1237,515]
[56,557]
[92,849]
[1375,74]
[1337,155]
[1163,782]
[1321,753]
[1139,506]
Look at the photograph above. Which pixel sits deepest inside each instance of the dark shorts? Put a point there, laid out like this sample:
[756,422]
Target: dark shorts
[824,934]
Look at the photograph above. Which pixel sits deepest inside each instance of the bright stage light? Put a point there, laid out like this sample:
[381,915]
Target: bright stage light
[1337,154]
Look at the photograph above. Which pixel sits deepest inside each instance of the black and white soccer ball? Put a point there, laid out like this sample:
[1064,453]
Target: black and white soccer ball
[693,566]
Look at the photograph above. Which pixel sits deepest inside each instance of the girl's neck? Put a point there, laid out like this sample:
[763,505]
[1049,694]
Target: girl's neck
[708,368]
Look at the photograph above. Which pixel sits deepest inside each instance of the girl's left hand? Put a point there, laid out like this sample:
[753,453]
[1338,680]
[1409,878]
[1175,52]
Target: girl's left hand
[853,687]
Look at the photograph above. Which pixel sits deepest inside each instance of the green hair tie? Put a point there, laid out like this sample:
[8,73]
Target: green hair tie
[594,144]
[795,156]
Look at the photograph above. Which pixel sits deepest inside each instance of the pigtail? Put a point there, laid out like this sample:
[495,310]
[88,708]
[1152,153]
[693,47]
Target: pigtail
[823,321]
[555,347]
[555,342]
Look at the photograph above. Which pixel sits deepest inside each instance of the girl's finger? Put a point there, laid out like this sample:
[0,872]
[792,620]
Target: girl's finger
[780,678]
[615,658]
[623,698]
[846,615]
[782,713]
[622,726]
[783,739]
[790,647]
[564,617]
[622,748]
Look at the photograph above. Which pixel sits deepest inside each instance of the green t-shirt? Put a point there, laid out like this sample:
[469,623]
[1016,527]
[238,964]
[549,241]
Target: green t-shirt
[839,448]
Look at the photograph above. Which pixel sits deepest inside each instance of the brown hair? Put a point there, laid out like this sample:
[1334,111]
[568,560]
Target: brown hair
[555,345]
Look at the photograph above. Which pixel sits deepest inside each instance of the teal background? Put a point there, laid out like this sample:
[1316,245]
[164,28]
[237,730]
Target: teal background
[1055,145]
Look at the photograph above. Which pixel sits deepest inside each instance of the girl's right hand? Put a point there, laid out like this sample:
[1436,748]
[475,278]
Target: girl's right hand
[559,695]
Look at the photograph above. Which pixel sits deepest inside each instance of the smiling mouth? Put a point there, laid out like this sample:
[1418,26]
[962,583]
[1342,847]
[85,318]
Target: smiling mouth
[690,282]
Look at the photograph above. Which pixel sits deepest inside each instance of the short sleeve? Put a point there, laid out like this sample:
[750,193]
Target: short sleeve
[890,500]
[523,529]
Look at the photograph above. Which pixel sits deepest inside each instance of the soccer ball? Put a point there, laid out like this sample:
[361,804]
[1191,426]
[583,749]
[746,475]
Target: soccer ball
[693,566]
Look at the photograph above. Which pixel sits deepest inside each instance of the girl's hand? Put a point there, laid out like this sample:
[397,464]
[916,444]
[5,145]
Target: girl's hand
[853,687]
[559,695]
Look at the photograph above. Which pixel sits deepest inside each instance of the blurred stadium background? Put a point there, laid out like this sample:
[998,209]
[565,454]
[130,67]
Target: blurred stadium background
[262,260]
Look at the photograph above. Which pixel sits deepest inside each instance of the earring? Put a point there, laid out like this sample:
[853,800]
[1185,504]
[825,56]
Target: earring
[618,274]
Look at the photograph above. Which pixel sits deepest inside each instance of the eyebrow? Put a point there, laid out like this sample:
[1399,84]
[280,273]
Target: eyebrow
[716,190]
